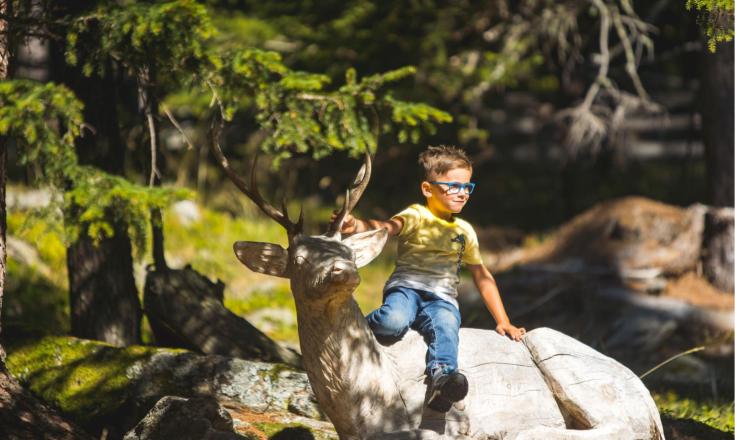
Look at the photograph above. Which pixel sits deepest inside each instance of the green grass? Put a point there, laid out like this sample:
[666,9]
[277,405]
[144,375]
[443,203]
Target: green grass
[35,300]
[33,304]
[717,414]
[45,234]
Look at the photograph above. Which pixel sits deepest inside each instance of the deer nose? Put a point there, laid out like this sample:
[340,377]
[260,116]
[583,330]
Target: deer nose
[342,266]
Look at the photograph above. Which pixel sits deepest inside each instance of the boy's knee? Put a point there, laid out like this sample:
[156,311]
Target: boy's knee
[389,323]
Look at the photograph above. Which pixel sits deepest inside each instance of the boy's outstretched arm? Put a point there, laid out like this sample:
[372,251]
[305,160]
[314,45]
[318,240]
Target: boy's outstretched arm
[352,225]
[491,296]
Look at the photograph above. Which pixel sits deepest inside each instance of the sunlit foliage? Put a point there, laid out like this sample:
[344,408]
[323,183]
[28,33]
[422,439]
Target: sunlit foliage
[44,120]
[716,17]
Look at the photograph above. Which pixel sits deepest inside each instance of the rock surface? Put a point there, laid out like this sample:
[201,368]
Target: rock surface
[185,419]
[102,386]
[549,386]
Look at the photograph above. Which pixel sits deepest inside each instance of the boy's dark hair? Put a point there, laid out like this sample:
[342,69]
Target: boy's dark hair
[440,159]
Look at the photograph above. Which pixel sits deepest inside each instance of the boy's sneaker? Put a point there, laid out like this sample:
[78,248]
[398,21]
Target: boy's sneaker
[445,389]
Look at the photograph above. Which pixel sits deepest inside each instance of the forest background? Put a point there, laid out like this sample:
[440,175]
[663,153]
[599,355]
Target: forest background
[110,109]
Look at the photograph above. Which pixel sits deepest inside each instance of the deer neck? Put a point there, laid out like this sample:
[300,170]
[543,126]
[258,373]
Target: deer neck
[353,378]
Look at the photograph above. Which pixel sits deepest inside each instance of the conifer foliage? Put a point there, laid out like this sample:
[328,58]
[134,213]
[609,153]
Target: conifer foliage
[174,40]
[716,18]
[44,120]
[167,48]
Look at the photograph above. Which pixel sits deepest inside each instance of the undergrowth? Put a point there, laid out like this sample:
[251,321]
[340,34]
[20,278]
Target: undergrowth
[717,414]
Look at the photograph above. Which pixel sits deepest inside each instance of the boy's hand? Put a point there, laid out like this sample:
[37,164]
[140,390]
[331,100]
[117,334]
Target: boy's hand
[349,225]
[513,332]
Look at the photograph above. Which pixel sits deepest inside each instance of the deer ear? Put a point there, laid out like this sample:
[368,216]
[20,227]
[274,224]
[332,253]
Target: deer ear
[267,258]
[367,245]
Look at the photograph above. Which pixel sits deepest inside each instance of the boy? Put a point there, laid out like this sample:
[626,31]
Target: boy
[421,293]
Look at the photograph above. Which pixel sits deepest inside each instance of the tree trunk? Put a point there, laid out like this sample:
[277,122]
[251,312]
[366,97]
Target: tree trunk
[185,309]
[148,101]
[103,297]
[717,130]
[104,301]
[21,415]
[3,227]
[4,63]
[718,255]
[717,123]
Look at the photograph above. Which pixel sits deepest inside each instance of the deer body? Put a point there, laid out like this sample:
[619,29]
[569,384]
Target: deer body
[349,373]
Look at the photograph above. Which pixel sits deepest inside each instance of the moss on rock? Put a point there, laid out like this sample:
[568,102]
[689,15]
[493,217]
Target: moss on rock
[86,379]
[100,385]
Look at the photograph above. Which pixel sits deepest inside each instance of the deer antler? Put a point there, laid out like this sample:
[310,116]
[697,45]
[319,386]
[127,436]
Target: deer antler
[252,190]
[353,196]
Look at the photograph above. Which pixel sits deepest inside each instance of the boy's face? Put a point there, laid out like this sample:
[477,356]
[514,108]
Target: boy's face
[437,198]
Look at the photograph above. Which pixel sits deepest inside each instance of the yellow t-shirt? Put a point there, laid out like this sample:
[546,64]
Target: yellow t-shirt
[431,250]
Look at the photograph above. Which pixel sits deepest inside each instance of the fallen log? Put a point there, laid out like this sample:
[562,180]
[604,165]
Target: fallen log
[186,310]
[634,237]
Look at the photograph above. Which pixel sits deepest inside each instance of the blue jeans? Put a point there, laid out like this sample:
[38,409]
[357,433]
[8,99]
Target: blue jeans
[435,319]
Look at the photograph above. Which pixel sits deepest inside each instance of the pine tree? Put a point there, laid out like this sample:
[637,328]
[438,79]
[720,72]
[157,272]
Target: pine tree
[164,48]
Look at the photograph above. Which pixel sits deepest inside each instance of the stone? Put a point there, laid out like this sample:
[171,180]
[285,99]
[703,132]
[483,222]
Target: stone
[187,212]
[185,419]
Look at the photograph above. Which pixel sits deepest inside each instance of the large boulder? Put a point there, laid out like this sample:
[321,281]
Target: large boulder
[548,386]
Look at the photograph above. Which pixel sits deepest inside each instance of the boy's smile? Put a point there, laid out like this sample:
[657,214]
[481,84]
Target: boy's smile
[439,202]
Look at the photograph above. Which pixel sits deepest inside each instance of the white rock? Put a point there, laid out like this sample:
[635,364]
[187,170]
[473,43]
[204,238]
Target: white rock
[187,212]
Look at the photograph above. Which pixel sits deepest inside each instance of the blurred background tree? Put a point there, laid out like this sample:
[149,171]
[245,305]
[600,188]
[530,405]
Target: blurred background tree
[538,91]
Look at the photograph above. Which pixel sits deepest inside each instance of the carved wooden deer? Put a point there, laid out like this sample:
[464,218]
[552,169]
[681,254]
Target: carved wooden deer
[550,386]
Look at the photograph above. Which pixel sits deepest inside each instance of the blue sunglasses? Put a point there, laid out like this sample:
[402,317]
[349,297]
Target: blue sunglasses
[456,187]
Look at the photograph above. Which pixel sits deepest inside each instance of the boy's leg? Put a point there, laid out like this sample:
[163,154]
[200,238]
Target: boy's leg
[439,322]
[393,319]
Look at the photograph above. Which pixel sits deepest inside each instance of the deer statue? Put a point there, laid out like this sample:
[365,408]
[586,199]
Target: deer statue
[549,386]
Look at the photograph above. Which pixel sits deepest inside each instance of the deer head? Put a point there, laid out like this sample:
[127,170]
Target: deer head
[319,267]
